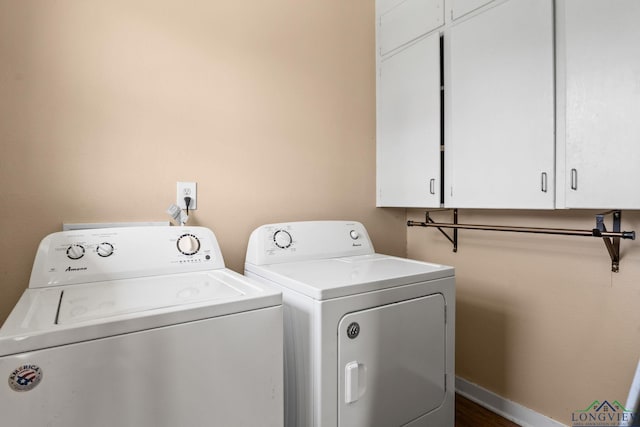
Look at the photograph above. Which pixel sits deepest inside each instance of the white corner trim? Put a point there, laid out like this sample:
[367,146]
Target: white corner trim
[506,408]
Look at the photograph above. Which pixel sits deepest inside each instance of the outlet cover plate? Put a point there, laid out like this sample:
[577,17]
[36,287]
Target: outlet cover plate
[187,189]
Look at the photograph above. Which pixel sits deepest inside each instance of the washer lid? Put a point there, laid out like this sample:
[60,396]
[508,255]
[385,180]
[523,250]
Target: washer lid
[108,299]
[337,277]
[51,317]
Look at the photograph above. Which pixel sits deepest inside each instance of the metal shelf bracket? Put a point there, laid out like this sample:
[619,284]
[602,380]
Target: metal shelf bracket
[611,238]
[612,243]
[427,219]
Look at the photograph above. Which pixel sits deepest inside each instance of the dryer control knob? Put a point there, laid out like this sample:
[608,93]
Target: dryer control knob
[354,234]
[75,251]
[188,244]
[282,239]
[105,249]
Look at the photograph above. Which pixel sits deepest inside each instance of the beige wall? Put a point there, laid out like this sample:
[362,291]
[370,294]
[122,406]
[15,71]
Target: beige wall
[541,320]
[270,107]
[104,105]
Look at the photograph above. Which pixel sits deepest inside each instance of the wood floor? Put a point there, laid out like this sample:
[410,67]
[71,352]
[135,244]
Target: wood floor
[470,414]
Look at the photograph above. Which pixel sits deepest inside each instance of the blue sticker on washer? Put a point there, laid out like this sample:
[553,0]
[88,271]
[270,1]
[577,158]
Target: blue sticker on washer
[25,377]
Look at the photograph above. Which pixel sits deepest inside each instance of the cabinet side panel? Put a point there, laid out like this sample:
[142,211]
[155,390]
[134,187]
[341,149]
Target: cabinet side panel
[560,57]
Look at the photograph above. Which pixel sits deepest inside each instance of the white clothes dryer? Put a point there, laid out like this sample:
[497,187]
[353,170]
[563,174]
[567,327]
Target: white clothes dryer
[144,327]
[369,338]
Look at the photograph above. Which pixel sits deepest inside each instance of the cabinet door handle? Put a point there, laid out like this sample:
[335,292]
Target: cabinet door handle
[574,179]
[432,186]
[543,183]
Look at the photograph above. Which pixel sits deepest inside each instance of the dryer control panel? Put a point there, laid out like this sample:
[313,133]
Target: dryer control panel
[83,256]
[307,240]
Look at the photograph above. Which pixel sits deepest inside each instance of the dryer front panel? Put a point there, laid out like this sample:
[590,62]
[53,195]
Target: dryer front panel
[391,363]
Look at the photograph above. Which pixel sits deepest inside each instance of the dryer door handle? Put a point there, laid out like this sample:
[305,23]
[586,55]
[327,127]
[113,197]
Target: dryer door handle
[352,382]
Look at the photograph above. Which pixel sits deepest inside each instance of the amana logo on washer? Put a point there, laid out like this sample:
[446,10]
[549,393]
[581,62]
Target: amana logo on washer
[25,377]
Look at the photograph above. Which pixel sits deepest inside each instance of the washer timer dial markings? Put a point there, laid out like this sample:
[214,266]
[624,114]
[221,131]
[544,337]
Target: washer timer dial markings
[282,239]
[104,249]
[75,251]
[188,244]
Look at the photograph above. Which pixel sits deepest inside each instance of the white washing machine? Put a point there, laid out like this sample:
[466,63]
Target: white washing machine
[141,327]
[369,338]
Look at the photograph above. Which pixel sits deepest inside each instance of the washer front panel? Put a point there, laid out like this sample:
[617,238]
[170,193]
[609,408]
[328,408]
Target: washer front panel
[188,374]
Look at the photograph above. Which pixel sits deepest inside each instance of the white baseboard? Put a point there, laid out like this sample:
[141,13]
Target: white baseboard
[506,408]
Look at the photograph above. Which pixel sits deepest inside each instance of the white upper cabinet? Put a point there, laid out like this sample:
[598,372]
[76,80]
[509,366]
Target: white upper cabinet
[462,7]
[533,118]
[598,104]
[407,21]
[408,134]
[408,126]
[499,108]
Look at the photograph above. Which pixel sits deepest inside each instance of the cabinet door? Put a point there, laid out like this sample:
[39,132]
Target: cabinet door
[408,126]
[499,86]
[601,60]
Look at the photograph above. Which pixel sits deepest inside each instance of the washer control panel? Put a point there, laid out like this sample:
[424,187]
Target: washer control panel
[298,241]
[82,256]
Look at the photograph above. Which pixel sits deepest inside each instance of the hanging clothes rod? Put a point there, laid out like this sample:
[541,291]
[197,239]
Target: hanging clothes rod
[537,230]
[611,238]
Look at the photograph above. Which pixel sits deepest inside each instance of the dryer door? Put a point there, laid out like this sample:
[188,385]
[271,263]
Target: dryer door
[391,363]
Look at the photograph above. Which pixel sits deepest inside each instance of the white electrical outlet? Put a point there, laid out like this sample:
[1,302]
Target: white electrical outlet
[187,189]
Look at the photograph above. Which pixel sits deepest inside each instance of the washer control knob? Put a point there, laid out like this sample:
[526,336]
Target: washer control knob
[354,235]
[282,239]
[105,249]
[188,244]
[75,251]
